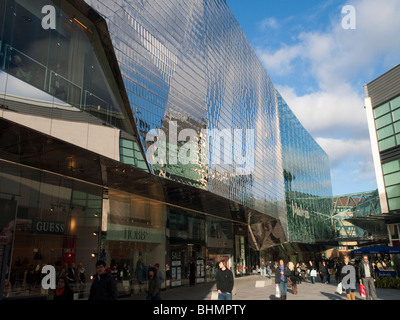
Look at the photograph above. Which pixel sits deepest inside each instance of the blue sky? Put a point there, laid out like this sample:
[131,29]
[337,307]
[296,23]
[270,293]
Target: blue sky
[320,69]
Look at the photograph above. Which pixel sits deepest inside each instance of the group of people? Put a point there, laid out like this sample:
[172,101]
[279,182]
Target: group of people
[285,275]
[104,284]
[364,271]
[104,287]
[346,274]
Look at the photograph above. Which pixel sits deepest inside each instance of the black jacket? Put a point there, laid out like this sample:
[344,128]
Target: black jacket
[104,288]
[153,287]
[361,270]
[278,274]
[225,280]
[294,276]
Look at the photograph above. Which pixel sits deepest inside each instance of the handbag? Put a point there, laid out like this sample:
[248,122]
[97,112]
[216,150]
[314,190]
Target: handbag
[277,292]
[339,288]
[362,290]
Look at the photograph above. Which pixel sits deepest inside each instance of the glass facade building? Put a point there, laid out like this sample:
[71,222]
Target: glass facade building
[356,207]
[382,103]
[308,190]
[146,132]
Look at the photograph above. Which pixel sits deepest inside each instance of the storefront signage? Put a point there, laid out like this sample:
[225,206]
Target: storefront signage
[219,243]
[135,234]
[49,227]
[299,211]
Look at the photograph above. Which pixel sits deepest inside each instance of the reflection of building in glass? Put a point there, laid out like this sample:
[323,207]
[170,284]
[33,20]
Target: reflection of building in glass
[77,105]
[307,181]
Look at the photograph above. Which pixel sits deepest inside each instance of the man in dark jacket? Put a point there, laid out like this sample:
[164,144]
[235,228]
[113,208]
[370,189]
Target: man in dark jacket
[224,282]
[367,275]
[103,286]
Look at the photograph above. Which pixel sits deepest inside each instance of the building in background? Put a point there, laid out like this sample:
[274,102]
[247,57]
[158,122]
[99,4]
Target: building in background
[382,102]
[147,132]
[357,206]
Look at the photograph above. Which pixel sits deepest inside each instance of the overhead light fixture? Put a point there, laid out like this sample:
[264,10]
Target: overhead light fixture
[80,23]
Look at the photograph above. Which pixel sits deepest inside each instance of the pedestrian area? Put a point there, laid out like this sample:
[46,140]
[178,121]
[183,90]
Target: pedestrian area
[255,287]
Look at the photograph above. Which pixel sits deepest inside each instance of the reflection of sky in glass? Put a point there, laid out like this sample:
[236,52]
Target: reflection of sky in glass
[190,62]
[302,156]
[21,89]
[307,180]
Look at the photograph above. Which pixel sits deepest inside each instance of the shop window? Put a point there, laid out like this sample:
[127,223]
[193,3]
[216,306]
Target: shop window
[135,240]
[50,228]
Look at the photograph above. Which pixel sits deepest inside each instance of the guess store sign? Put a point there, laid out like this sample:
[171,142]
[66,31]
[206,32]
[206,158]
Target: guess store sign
[48,227]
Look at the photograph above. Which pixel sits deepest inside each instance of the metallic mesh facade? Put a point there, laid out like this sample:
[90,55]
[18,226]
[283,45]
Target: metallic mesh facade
[307,177]
[184,66]
[190,62]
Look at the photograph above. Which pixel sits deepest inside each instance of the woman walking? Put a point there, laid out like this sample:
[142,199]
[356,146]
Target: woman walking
[294,276]
[348,279]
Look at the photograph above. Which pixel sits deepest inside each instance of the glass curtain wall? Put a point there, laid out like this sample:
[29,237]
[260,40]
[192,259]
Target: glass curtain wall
[68,62]
[173,58]
[387,122]
[307,181]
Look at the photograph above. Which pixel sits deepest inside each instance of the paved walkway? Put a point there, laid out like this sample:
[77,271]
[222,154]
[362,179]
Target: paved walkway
[254,287]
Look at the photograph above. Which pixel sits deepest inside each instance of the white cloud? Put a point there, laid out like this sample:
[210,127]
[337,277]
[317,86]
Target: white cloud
[269,23]
[337,55]
[281,61]
[352,166]
[339,112]
[339,62]
[340,151]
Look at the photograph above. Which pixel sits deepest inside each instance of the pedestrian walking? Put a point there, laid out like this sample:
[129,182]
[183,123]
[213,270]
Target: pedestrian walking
[80,271]
[338,267]
[63,291]
[154,285]
[367,275]
[348,279]
[324,271]
[140,272]
[160,276]
[313,272]
[269,268]
[225,281]
[294,276]
[192,272]
[262,267]
[282,273]
[103,286]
